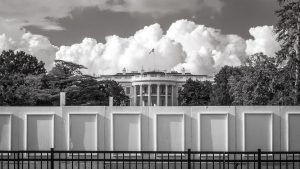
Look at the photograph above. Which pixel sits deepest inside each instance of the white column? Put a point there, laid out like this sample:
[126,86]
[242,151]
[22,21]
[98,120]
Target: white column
[176,95]
[166,95]
[172,95]
[149,95]
[141,95]
[134,95]
[158,95]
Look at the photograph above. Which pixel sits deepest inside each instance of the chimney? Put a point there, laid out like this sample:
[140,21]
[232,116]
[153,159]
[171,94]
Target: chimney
[124,71]
[183,71]
[62,99]
[142,71]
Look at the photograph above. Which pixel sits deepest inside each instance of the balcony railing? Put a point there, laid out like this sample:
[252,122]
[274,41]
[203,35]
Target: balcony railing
[153,78]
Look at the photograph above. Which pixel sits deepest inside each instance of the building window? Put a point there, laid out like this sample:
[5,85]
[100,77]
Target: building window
[145,89]
[153,89]
[162,89]
[127,90]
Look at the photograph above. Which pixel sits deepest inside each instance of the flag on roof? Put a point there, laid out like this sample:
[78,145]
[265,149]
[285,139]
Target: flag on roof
[152,51]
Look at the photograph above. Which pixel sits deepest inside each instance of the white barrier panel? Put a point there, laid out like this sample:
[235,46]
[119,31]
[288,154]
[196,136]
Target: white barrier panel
[207,128]
[39,131]
[258,131]
[169,132]
[126,134]
[83,131]
[293,132]
[213,132]
[5,132]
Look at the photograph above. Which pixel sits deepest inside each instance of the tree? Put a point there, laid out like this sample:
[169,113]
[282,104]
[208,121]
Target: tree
[64,74]
[288,31]
[61,78]
[256,85]
[195,93]
[93,92]
[284,94]
[220,92]
[19,62]
[115,90]
[85,92]
[20,74]
[81,89]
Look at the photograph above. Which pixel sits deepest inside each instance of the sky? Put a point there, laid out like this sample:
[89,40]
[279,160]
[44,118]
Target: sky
[108,35]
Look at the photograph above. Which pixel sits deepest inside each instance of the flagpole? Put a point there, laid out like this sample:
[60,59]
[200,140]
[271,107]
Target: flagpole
[154,63]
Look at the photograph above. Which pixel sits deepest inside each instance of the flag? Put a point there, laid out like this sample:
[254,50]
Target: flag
[152,51]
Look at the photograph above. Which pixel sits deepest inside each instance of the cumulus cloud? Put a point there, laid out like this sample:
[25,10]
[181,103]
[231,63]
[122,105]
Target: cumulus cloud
[199,49]
[264,41]
[206,47]
[132,53]
[12,38]
[45,13]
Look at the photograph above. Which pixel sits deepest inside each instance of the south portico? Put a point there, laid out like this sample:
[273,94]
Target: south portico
[154,88]
[154,93]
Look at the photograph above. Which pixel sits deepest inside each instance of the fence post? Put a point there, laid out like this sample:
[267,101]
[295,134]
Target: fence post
[259,159]
[52,158]
[189,158]
[18,161]
[223,160]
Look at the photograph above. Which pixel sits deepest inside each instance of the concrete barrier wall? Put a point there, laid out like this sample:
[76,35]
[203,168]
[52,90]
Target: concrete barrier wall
[201,128]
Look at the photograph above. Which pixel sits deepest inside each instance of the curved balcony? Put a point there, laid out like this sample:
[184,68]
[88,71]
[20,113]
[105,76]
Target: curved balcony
[142,78]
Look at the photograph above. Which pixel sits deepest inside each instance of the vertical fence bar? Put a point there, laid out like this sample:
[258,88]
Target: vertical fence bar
[28,160]
[259,159]
[52,158]
[18,160]
[136,162]
[164,159]
[189,158]
[123,160]
[59,160]
[223,160]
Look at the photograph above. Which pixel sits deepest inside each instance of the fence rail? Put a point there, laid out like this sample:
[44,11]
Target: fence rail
[54,159]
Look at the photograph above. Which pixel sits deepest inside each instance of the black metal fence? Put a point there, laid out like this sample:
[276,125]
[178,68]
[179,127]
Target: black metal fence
[54,159]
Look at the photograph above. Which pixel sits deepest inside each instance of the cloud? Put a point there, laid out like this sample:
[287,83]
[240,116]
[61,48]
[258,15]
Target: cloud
[199,49]
[131,53]
[44,13]
[36,45]
[264,41]
[207,48]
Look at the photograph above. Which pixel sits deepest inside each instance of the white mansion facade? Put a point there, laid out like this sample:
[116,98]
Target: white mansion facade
[154,88]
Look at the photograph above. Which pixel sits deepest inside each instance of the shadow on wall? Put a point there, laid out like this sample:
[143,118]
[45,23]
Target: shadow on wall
[38,125]
[4,132]
[82,132]
[170,132]
[126,129]
[213,132]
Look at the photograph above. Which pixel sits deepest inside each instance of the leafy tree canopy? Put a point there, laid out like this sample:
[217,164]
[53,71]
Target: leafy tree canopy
[195,93]
[288,31]
[220,92]
[82,89]
[256,85]
[20,75]
[20,63]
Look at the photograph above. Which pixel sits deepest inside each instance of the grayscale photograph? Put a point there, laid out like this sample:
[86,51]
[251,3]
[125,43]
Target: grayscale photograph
[149,84]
